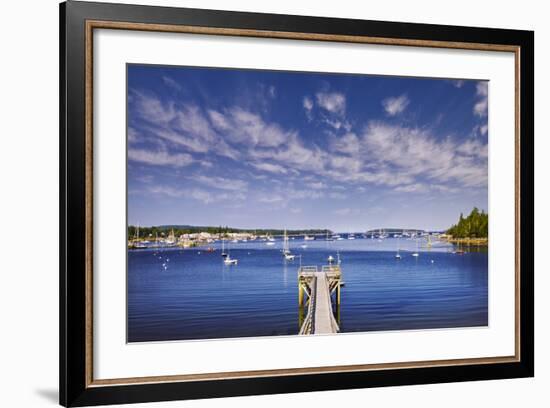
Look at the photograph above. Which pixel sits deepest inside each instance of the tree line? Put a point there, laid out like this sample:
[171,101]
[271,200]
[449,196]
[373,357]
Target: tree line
[165,230]
[475,225]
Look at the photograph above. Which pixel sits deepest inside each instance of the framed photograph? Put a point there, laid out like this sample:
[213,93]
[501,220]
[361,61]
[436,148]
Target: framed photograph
[255,203]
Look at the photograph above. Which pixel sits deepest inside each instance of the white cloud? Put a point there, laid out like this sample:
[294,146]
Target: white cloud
[270,167]
[308,103]
[186,126]
[151,109]
[414,152]
[458,83]
[333,102]
[481,106]
[308,106]
[271,199]
[171,83]
[473,147]
[317,185]
[399,157]
[346,211]
[222,183]
[207,197]
[244,127]
[395,105]
[337,195]
[348,143]
[412,188]
[133,135]
[272,91]
[159,158]
[167,191]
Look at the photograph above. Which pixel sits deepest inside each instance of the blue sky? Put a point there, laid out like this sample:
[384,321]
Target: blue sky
[255,149]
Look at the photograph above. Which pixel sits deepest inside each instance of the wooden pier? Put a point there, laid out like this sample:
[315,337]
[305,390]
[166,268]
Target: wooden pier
[316,287]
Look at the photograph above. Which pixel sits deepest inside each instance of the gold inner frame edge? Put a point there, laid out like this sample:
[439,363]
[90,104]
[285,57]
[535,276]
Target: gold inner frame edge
[119,25]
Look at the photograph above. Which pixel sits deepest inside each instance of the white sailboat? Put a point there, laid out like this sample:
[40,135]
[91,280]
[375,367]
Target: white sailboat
[224,254]
[228,260]
[308,238]
[415,254]
[137,242]
[270,240]
[398,255]
[286,249]
[171,240]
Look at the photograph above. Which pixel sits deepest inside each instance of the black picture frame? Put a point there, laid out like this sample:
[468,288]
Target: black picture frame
[75,387]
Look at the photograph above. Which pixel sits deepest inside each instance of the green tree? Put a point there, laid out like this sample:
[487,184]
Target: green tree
[475,225]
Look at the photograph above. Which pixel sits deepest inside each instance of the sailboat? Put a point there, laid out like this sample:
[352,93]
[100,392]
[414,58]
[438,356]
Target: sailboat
[224,254]
[286,249]
[171,240]
[307,238]
[415,254]
[137,242]
[270,240]
[398,255]
[228,260]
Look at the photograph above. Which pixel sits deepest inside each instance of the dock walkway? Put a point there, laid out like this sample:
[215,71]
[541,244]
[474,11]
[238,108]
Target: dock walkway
[318,286]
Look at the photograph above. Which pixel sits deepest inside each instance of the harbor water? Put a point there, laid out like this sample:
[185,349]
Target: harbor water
[183,294]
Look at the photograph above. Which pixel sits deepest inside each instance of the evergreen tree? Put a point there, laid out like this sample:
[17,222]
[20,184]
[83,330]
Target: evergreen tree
[475,225]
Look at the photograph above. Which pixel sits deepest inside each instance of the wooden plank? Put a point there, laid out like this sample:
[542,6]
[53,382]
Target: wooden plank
[323,307]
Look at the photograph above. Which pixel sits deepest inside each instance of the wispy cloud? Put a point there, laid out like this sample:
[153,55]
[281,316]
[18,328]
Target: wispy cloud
[481,106]
[171,83]
[184,125]
[402,158]
[333,102]
[307,103]
[271,199]
[458,83]
[270,167]
[222,183]
[346,211]
[395,105]
[133,135]
[159,158]
[244,127]
[414,152]
[205,196]
[317,185]
[337,195]
[412,188]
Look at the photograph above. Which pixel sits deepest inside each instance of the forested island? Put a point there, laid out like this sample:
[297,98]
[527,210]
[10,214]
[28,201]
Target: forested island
[473,229]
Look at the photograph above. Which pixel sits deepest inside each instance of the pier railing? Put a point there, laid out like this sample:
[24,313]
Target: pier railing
[307,271]
[309,321]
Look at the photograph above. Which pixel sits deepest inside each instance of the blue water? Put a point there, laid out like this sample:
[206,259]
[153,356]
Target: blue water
[178,294]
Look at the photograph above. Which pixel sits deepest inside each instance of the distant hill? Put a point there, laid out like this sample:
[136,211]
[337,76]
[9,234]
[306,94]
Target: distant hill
[182,228]
[394,231]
